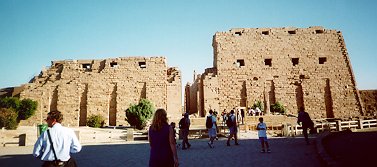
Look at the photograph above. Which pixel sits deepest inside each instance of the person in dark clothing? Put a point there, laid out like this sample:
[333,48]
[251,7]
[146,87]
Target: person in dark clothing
[161,140]
[184,125]
[307,123]
[232,128]
[242,115]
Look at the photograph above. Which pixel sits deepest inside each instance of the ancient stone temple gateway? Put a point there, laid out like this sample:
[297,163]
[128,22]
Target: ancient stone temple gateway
[297,67]
[80,88]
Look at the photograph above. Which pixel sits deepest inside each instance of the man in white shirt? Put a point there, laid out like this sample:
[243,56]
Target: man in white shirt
[55,145]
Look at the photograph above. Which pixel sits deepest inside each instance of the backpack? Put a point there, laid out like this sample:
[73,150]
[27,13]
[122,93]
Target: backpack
[182,124]
[209,123]
[229,122]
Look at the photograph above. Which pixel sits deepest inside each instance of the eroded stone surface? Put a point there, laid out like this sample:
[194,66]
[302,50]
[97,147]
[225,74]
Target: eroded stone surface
[297,67]
[80,88]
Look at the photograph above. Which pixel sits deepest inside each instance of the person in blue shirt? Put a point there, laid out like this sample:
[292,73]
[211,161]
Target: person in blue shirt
[55,145]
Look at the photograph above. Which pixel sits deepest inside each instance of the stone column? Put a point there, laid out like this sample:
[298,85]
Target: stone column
[130,134]
[338,126]
[360,122]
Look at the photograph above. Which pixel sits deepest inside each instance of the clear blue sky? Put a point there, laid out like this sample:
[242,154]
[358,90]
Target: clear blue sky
[35,32]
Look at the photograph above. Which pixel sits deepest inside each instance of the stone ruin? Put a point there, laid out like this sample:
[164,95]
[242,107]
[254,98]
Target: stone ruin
[80,88]
[297,67]
[369,102]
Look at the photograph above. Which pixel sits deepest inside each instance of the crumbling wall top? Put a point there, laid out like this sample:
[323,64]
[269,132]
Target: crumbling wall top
[276,31]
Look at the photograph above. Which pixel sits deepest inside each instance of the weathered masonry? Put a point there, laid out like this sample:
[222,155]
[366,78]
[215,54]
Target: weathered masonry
[80,88]
[297,67]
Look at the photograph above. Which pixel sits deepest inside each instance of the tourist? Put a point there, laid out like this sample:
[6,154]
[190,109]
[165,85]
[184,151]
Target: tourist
[184,125]
[262,134]
[212,128]
[161,140]
[55,145]
[242,115]
[223,114]
[253,112]
[238,115]
[232,128]
[258,111]
[215,112]
[172,125]
[307,123]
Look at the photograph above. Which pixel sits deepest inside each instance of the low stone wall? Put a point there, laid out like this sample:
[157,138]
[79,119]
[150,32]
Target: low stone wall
[251,120]
[23,136]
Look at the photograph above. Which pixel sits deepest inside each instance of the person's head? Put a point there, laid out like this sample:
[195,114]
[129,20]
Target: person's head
[261,119]
[54,117]
[159,119]
[232,111]
[210,111]
[186,115]
[172,124]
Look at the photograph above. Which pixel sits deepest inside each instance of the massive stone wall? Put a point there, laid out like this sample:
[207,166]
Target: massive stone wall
[369,102]
[80,88]
[297,67]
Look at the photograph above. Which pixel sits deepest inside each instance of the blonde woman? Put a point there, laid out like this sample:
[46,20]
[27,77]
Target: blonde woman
[161,139]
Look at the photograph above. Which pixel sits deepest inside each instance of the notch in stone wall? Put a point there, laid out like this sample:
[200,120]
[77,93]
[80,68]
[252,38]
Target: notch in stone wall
[86,66]
[322,60]
[319,31]
[292,32]
[265,32]
[102,65]
[295,61]
[268,62]
[113,64]
[113,105]
[83,106]
[328,99]
[238,33]
[142,64]
[54,99]
[240,62]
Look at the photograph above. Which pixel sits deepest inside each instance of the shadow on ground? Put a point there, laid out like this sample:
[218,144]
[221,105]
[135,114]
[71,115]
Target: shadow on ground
[352,148]
[286,152]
